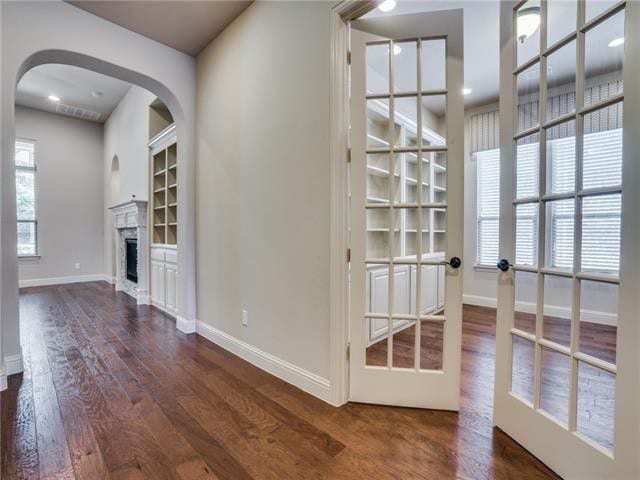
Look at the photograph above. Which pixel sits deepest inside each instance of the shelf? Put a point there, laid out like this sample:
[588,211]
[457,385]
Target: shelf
[439,189]
[377,171]
[439,167]
[173,185]
[380,230]
[382,142]
[159,207]
[175,204]
[160,172]
[159,224]
[158,190]
[414,181]
[173,167]
[377,200]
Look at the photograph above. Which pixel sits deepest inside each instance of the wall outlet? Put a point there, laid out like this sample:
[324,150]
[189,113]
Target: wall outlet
[77,265]
[245,318]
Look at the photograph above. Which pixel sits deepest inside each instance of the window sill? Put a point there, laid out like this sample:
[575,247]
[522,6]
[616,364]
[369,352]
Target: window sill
[484,268]
[28,257]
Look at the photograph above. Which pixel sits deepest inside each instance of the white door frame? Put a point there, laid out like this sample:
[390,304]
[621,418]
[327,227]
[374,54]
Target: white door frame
[557,446]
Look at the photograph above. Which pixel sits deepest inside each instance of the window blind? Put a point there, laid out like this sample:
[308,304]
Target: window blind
[488,198]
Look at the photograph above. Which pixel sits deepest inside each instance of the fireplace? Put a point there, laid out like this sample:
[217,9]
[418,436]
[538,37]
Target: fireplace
[131,253]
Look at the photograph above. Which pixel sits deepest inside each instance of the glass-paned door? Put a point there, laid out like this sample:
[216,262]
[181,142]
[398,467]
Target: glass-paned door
[406,209]
[565,371]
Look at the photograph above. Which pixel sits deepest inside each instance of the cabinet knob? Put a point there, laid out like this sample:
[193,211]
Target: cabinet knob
[504,264]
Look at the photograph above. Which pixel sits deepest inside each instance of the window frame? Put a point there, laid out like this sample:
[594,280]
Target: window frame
[34,170]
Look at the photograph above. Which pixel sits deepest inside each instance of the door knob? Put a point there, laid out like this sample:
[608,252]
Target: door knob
[454,262]
[504,265]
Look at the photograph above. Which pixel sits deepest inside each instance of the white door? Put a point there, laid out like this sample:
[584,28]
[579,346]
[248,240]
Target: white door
[567,366]
[406,209]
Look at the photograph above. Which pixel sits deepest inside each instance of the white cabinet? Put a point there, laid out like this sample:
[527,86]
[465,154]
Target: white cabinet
[404,295]
[164,276]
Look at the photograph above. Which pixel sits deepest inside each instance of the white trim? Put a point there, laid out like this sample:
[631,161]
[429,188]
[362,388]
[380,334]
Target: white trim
[3,379]
[13,364]
[184,325]
[168,134]
[309,382]
[593,316]
[39,282]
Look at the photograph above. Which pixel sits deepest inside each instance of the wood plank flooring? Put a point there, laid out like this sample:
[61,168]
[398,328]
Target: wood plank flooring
[113,390]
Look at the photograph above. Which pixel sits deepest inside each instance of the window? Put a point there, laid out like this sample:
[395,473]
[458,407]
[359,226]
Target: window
[488,184]
[26,199]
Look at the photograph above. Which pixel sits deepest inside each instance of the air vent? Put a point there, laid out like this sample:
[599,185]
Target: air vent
[78,112]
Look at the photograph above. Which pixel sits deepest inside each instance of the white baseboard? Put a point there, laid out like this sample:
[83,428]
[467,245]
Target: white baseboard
[3,379]
[13,364]
[309,382]
[593,316]
[186,326]
[40,282]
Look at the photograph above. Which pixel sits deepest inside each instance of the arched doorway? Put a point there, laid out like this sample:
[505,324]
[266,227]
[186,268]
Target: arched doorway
[121,54]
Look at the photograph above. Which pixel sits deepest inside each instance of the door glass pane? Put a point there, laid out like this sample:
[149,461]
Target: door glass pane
[434,224]
[403,296]
[561,158]
[604,58]
[433,64]
[561,19]
[378,124]
[527,234]
[560,218]
[599,319]
[554,384]
[438,177]
[526,301]
[377,289]
[378,68]
[405,66]
[528,31]
[406,118]
[434,126]
[378,178]
[602,160]
[432,290]
[601,233]
[528,87]
[377,235]
[561,77]
[522,371]
[376,355]
[404,344]
[556,324]
[431,345]
[527,166]
[596,404]
[593,8]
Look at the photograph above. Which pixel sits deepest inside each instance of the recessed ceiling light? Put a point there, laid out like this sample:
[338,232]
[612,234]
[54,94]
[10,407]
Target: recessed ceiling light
[387,5]
[54,98]
[616,42]
[397,49]
[466,91]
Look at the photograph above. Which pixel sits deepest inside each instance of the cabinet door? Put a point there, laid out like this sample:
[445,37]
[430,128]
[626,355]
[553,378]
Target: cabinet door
[171,273]
[157,283]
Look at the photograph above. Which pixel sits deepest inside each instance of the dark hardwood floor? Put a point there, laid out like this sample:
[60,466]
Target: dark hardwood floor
[113,390]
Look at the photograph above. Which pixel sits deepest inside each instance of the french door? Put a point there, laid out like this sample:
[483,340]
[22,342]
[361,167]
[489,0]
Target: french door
[406,209]
[567,366]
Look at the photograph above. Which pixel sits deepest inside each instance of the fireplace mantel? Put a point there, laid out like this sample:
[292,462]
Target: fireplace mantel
[130,221]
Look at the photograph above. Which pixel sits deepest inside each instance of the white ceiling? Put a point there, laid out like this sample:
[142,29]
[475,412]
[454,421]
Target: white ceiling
[75,86]
[187,26]
[481,42]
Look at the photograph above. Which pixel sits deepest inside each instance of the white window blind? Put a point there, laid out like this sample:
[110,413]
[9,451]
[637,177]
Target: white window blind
[26,198]
[488,209]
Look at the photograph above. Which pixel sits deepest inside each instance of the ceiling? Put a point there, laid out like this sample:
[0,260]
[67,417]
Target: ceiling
[187,26]
[92,95]
[481,42]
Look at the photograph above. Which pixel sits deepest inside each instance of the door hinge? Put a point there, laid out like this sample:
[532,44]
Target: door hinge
[348,155]
[348,57]
[348,255]
[349,351]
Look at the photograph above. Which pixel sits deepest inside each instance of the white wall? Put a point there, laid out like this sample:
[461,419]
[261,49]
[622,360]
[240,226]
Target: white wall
[126,134]
[263,181]
[69,195]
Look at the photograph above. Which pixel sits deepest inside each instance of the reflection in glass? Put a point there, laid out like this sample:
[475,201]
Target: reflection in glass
[377,68]
[522,370]
[599,319]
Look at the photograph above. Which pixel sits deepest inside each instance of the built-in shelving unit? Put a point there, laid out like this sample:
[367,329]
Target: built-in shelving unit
[165,195]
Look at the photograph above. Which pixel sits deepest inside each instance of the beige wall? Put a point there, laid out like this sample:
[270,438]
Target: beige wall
[263,181]
[69,195]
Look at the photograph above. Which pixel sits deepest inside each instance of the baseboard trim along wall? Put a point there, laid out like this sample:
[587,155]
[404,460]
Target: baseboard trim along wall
[184,325]
[309,382]
[41,282]
[593,316]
